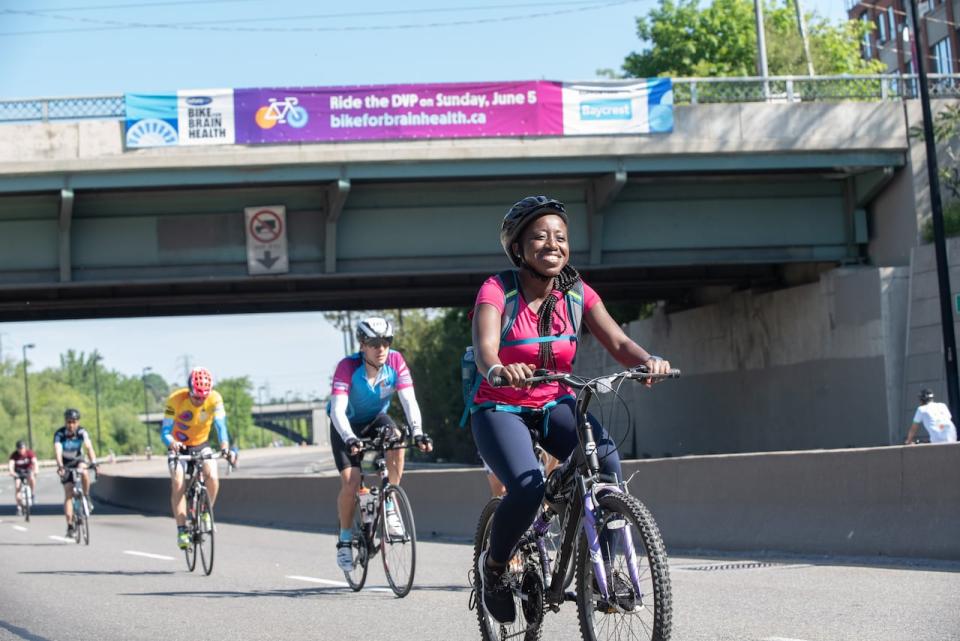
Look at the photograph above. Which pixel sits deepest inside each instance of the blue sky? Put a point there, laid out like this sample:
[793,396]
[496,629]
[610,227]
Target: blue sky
[90,47]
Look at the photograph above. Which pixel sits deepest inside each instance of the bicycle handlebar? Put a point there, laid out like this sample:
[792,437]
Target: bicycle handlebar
[195,456]
[639,373]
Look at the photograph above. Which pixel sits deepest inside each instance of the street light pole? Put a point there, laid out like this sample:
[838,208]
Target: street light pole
[761,48]
[96,397]
[146,420]
[939,236]
[260,399]
[26,393]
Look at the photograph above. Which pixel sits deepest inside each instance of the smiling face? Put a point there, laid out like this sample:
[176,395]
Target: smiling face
[544,245]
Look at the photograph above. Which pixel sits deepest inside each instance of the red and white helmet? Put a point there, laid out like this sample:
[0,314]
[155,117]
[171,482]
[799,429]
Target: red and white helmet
[200,382]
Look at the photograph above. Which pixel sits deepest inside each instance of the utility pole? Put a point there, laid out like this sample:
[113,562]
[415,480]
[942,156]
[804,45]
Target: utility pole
[939,237]
[802,25]
[146,420]
[96,395]
[26,393]
[761,49]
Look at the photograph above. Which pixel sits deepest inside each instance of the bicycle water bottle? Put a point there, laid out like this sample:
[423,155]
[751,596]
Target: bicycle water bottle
[368,504]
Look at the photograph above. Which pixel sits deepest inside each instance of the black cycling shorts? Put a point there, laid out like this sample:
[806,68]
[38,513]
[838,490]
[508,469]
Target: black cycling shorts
[341,454]
[67,466]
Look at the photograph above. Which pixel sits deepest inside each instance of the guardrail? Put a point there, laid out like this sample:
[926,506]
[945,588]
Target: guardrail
[686,91]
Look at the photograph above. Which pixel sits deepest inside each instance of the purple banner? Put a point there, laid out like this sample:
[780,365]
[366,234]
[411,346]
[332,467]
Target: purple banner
[395,112]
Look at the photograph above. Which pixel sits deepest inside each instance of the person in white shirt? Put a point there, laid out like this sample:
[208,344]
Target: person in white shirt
[935,417]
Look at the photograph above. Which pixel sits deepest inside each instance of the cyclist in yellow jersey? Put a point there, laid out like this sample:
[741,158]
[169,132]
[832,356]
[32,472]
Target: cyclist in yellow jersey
[190,414]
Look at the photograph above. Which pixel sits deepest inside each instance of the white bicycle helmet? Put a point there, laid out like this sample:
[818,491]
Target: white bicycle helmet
[374,327]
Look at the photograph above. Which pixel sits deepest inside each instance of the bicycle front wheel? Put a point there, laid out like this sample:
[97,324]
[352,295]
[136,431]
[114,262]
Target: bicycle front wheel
[204,531]
[360,542]
[190,552]
[398,535]
[27,501]
[85,521]
[639,604]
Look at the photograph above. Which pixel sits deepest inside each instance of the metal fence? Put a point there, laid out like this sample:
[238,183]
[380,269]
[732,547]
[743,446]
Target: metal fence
[686,91]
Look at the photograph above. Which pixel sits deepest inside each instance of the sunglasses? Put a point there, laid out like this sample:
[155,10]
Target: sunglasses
[378,342]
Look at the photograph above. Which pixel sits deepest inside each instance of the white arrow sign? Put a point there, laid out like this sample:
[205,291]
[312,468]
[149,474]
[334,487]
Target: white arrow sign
[267,240]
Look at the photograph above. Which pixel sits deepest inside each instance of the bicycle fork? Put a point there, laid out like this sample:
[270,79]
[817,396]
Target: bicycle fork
[596,555]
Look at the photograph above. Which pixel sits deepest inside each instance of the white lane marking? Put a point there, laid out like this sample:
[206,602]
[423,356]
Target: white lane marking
[781,639]
[339,584]
[161,557]
[60,538]
[19,528]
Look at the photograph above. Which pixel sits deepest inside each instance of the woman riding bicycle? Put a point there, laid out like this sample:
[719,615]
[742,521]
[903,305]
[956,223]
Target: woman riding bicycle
[534,236]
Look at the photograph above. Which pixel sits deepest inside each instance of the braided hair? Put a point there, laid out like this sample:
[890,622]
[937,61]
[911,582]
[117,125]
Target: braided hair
[562,283]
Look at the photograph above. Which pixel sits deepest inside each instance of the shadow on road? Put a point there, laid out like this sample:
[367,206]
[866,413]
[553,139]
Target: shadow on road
[294,593]
[21,633]
[101,572]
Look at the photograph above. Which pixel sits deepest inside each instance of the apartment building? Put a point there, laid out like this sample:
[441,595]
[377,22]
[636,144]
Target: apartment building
[939,34]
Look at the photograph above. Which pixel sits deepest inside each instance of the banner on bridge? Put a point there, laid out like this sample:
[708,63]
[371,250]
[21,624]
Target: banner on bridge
[400,112]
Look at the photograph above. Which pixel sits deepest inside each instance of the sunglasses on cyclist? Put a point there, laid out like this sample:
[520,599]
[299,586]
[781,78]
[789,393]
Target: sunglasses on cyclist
[378,342]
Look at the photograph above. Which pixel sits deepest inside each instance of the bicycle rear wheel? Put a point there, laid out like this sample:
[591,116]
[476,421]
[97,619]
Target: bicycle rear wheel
[205,530]
[626,530]
[357,576]
[526,582]
[399,548]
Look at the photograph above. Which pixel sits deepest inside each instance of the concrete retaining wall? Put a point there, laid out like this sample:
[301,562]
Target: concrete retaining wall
[890,501]
[799,368]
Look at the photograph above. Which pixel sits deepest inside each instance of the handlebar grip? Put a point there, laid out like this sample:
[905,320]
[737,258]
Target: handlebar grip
[673,373]
[497,381]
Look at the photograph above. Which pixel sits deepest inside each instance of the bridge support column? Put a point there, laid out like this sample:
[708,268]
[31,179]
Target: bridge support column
[336,197]
[66,218]
[321,427]
[601,193]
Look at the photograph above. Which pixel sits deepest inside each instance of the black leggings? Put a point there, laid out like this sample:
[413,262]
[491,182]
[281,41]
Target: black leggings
[503,440]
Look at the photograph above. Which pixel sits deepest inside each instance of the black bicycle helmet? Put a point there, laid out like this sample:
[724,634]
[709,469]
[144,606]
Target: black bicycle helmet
[926,395]
[522,214]
[71,415]
[21,444]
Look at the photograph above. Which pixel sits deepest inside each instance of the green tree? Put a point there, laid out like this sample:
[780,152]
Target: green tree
[685,40]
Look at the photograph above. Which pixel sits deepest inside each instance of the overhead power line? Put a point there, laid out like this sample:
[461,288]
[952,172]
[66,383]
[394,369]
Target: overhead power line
[219,25]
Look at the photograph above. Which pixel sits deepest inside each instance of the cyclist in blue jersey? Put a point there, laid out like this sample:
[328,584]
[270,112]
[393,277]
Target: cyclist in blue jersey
[69,442]
[363,386]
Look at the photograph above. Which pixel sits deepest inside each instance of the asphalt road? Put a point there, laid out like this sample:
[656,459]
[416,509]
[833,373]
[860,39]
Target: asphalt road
[131,583]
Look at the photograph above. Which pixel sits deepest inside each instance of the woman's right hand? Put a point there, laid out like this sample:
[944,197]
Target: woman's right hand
[515,374]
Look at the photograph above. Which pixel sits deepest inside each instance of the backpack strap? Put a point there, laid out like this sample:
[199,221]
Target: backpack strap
[574,299]
[511,300]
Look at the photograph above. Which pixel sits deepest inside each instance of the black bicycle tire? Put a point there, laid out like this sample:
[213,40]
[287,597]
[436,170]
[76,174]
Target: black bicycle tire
[360,549]
[77,519]
[204,536]
[27,500]
[637,514]
[190,552]
[490,629]
[405,512]
[84,503]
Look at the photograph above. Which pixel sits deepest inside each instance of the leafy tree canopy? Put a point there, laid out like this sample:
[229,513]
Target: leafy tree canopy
[685,40]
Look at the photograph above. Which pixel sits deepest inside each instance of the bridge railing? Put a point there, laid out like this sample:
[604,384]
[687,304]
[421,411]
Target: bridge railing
[686,91]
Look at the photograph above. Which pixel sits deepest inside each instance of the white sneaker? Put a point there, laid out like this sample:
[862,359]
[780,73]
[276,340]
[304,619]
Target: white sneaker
[19,511]
[394,525]
[345,556]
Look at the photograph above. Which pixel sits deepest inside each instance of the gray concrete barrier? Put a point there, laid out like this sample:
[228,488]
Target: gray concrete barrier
[890,501]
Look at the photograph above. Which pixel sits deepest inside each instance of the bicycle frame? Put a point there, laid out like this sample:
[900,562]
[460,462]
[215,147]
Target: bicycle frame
[582,500]
[380,445]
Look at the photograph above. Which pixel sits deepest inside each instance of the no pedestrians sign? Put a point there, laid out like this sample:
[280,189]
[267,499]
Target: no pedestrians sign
[267,240]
